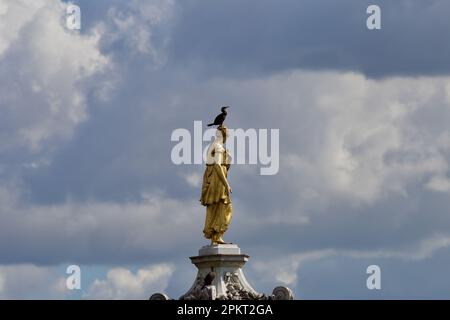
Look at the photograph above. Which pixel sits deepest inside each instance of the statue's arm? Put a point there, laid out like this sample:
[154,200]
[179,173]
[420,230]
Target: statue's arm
[218,167]
[222,177]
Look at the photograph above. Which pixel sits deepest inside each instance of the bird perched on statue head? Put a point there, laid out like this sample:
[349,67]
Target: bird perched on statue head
[218,121]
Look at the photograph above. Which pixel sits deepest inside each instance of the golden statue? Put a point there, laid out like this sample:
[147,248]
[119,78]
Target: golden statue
[216,190]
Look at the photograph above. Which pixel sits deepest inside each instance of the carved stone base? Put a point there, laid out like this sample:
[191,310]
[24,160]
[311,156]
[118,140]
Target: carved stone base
[220,277]
[225,263]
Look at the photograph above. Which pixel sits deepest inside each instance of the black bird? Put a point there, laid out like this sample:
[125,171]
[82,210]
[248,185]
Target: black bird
[209,278]
[218,121]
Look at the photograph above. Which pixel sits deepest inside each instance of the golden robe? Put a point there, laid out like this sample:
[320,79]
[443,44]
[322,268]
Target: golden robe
[217,201]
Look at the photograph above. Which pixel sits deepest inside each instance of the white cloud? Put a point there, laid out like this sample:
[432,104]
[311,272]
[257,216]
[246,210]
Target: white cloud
[193,179]
[13,16]
[438,183]
[420,250]
[44,69]
[121,283]
[285,269]
[371,148]
[136,25]
[26,281]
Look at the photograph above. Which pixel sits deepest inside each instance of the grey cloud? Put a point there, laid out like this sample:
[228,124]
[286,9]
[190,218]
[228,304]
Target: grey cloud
[248,38]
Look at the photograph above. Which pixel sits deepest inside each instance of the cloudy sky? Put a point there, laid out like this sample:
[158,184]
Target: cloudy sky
[86,118]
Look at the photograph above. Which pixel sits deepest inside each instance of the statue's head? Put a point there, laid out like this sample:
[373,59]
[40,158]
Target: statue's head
[222,133]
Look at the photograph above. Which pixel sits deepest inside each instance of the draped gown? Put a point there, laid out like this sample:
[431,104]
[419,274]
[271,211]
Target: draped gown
[215,196]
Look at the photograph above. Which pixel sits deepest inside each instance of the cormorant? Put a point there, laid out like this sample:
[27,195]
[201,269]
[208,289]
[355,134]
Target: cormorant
[218,121]
[209,278]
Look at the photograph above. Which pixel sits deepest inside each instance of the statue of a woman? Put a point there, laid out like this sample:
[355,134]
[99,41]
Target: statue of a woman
[216,190]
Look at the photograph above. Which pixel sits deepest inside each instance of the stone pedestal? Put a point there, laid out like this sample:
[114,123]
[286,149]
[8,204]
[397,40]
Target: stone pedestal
[226,262]
[220,276]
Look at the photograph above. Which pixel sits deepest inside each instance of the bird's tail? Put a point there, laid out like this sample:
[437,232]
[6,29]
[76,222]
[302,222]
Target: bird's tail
[211,124]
